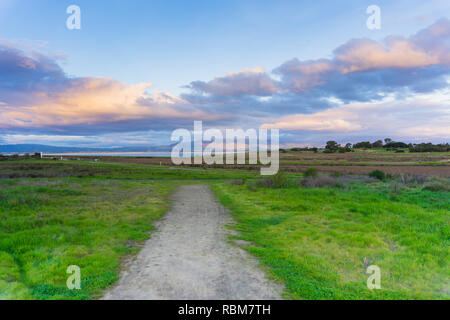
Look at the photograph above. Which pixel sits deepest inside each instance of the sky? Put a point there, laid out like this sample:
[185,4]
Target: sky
[137,70]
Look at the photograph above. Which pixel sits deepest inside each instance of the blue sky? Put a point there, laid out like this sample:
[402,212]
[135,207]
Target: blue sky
[180,47]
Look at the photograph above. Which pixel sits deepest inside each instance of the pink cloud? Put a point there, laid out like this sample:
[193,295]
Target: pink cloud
[361,55]
[92,100]
[425,115]
[429,47]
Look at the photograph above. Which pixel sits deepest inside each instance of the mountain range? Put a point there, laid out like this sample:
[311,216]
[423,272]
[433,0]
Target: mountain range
[31,148]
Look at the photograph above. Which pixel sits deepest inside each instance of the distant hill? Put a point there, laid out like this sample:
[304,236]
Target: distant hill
[31,148]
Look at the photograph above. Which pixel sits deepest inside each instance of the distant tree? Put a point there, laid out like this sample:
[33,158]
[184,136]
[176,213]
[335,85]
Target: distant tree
[429,147]
[377,144]
[394,145]
[314,149]
[332,146]
[346,148]
[362,145]
[388,140]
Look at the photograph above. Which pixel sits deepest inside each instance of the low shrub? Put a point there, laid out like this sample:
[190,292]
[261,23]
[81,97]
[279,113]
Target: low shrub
[438,185]
[411,179]
[311,172]
[377,174]
[238,182]
[263,183]
[336,174]
[396,187]
[279,180]
[345,179]
[251,186]
[320,182]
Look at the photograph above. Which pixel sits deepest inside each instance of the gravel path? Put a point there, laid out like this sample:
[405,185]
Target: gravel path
[189,257]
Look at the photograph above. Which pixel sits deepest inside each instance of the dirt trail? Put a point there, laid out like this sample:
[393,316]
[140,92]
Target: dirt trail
[189,257]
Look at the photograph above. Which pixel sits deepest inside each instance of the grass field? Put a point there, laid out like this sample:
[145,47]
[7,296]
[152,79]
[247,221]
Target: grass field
[318,241]
[359,162]
[48,224]
[105,170]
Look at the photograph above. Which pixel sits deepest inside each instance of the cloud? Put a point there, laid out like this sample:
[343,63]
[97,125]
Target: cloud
[21,73]
[425,116]
[246,82]
[334,120]
[36,93]
[367,88]
[365,54]
[361,69]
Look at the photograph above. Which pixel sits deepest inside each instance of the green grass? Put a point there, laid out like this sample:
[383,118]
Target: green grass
[316,240]
[47,225]
[365,164]
[59,213]
[51,169]
[54,214]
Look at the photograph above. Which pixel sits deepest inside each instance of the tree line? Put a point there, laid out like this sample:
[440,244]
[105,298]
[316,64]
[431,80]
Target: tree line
[388,145]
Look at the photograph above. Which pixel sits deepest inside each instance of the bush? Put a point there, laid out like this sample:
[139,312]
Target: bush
[377,174]
[336,174]
[320,182]
[411,179]
[277,181]
[396,187]
[252,186]
[263,183]
[438,185]
[238,182]
[311,172]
